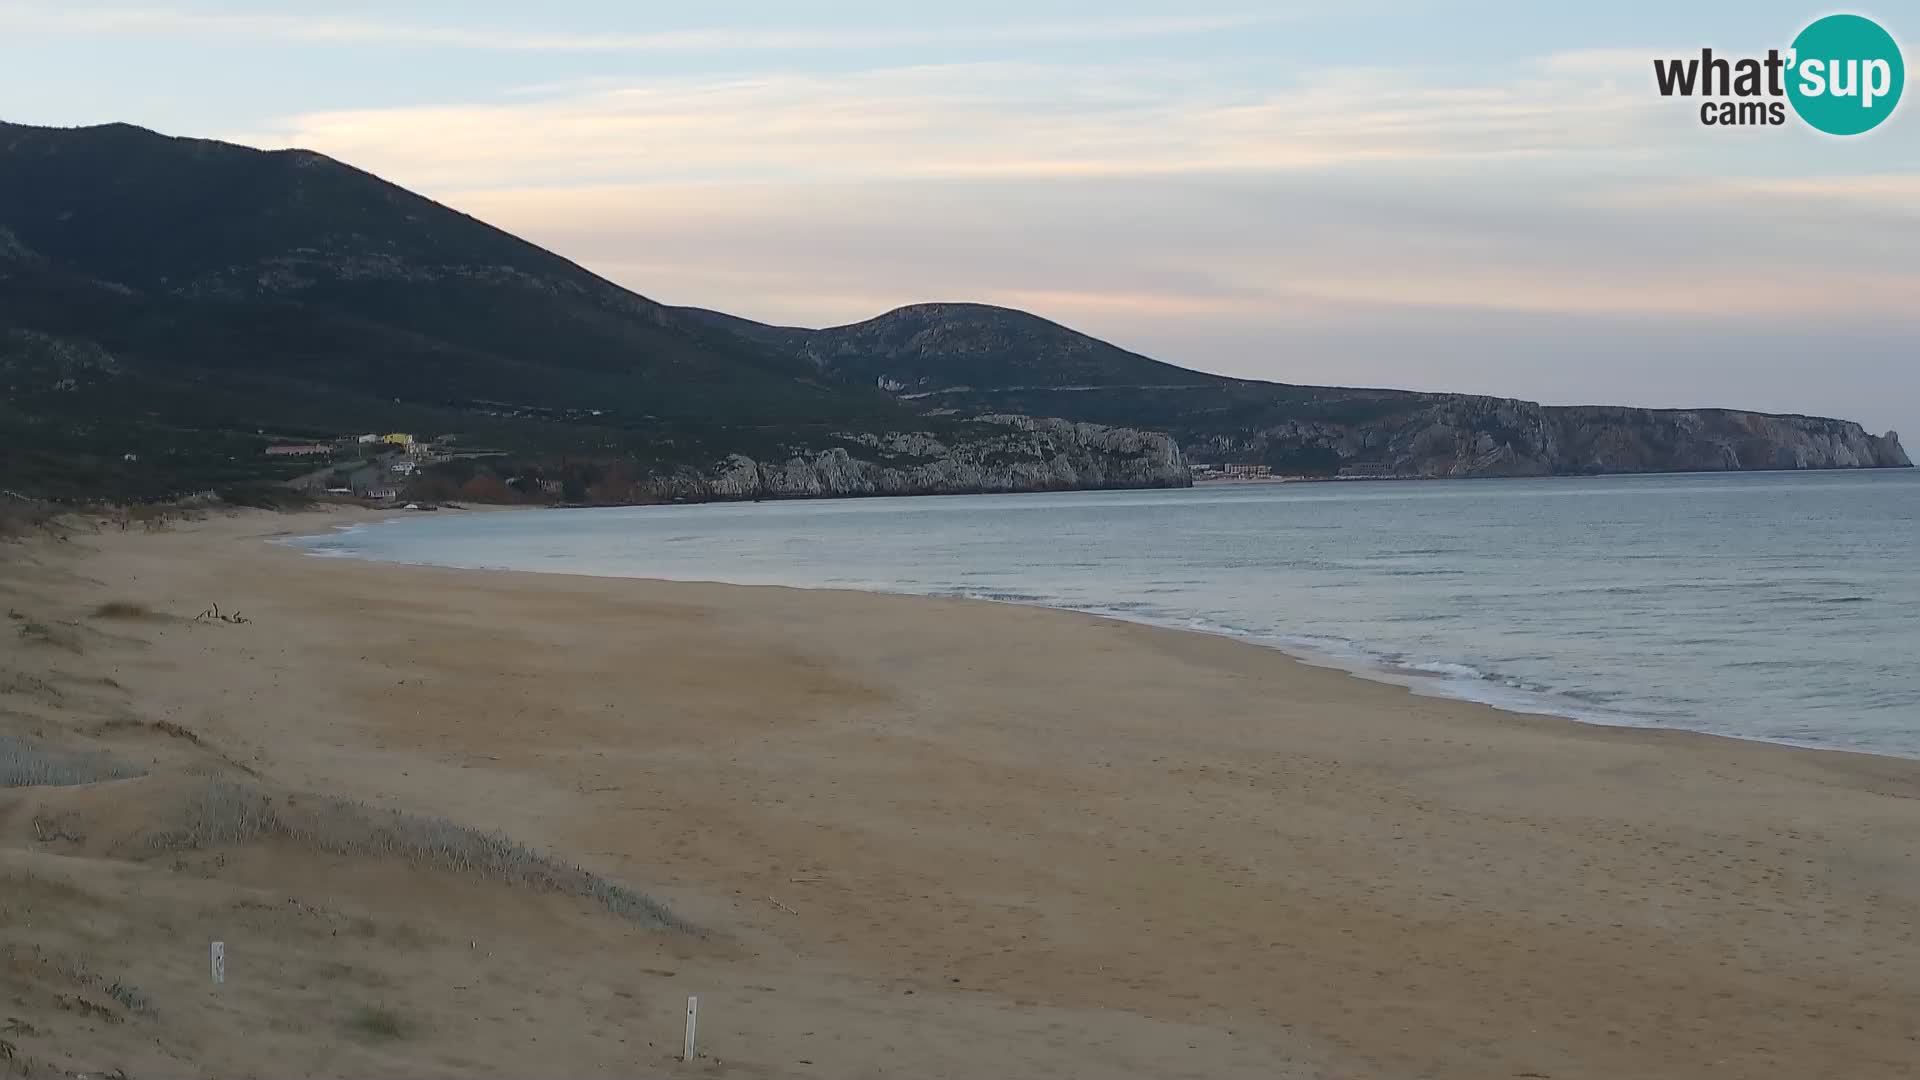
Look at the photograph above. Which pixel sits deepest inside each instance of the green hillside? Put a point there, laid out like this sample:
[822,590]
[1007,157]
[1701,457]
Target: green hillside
[180,300]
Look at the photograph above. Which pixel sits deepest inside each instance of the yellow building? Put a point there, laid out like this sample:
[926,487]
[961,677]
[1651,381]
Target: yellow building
[398,439]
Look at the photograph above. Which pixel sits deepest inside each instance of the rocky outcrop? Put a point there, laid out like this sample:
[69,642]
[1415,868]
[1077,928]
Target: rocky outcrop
[1451,435]
[1598,439]
[993,454]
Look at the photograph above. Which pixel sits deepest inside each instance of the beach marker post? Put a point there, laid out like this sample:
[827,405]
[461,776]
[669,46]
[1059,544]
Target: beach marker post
[693,1013]
[217,961]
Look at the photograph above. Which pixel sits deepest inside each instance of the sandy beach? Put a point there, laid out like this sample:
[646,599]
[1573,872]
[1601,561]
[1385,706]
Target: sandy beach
[910,837]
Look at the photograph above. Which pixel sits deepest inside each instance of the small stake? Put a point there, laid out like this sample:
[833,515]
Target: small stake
[693,1012]
[217,960]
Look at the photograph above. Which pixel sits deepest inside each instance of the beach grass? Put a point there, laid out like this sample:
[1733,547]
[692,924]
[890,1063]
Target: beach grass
[25,763]
[226,813]
[122,609]
[378,1022]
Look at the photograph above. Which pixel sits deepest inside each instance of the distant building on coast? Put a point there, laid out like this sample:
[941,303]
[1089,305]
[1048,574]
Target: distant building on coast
[398,438]
[1232,472]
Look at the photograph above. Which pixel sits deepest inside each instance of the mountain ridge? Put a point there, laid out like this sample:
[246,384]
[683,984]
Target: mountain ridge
[170,306]
[914,352]
[998,342]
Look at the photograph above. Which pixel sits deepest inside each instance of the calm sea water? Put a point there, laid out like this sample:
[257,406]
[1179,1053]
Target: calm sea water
[1773,606]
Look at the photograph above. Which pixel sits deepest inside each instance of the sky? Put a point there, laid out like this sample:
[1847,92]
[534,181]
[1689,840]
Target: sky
[1479,197]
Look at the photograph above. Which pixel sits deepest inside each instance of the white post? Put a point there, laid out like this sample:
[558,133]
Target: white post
[693,1012]
[217,960]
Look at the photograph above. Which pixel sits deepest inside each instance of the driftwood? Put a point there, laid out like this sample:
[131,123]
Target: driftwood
[212,614]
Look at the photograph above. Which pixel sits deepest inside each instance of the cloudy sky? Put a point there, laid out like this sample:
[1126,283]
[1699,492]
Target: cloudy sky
[1478,196]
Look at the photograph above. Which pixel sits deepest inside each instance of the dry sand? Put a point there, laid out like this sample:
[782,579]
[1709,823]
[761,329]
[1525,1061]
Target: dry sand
[921,837]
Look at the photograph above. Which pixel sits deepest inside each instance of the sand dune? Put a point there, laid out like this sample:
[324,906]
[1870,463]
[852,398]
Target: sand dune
[903,836]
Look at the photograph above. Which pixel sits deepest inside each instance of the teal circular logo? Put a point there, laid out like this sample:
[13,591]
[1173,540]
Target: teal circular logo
[1846,75]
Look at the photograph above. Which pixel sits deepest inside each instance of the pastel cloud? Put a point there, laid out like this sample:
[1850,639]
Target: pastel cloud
[1250,243]
[977,120]
[1469,213]
[333,29]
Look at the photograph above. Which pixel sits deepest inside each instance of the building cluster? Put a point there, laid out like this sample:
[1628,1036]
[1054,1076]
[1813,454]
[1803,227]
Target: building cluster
[400,440]
[380,480]
[1232,472]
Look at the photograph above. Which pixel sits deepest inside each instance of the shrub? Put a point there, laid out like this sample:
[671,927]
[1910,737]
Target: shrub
[130,997]
[121,609]
[39,633]
[377,1022]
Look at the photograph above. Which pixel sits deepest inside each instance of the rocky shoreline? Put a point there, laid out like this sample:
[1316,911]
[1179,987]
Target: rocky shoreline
[1026,454]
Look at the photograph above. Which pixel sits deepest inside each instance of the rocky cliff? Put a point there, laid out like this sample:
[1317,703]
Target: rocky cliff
[975,357]
[1008,453]
[1435,435]
[1601,439]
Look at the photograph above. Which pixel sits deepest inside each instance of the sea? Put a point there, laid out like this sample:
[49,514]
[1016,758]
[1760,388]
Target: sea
[1775,606]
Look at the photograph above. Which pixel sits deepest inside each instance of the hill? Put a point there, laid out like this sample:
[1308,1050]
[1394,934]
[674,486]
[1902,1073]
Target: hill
[167,305]
[973,357]
[170,308]
[929,350]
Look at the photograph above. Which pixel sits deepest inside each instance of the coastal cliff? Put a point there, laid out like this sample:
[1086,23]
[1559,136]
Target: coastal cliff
[980,357]
[1596,439]
[1024,454]
[1461,435]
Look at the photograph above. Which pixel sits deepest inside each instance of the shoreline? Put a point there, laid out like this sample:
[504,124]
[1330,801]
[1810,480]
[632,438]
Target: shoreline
[920,835]
[1222,481]
[1365,665]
